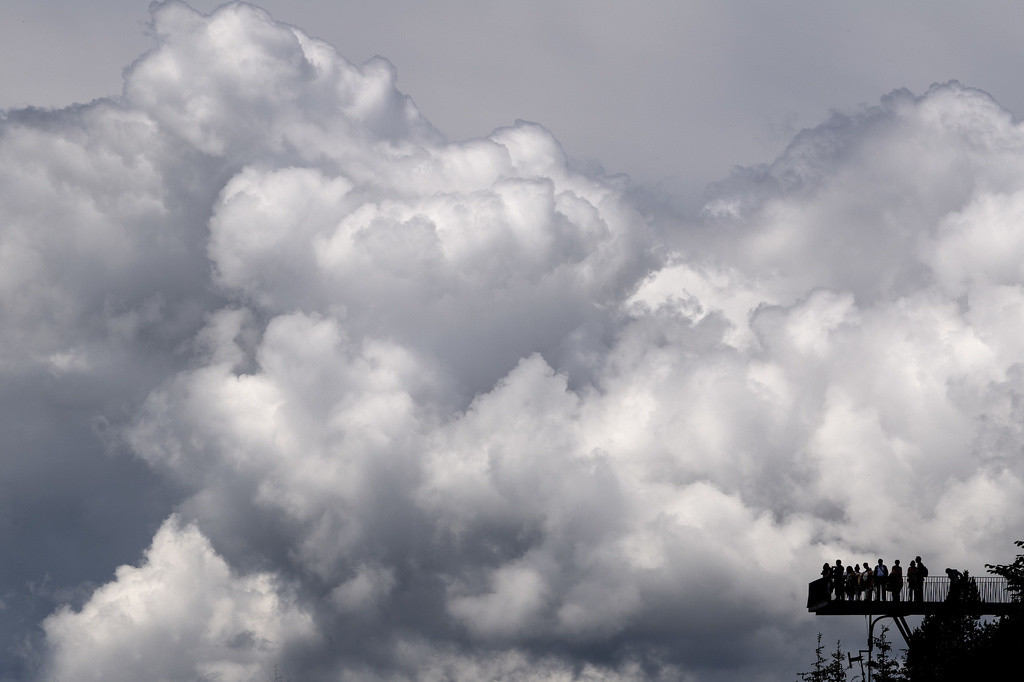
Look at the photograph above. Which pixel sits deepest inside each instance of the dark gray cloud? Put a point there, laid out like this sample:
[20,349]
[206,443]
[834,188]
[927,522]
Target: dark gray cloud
[386,406]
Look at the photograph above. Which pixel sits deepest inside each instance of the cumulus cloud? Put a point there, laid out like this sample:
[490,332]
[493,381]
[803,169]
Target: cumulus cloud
[181,614]
[459,409]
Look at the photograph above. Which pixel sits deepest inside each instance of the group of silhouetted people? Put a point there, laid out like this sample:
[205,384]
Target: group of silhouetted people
[858,583]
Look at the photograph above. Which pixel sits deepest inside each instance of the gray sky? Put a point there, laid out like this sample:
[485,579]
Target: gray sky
[322,362]
[673,92]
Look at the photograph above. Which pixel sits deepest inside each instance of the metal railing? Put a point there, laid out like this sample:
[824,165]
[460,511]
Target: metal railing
[991,590]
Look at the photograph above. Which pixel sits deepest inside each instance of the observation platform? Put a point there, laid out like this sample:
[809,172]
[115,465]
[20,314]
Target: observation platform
[994,600]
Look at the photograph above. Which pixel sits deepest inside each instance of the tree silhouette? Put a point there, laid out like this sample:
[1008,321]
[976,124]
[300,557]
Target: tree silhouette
[836,669]
[885,667]
[948,646]
[1006,635]
[827,670]
[952,647]
[1014,573]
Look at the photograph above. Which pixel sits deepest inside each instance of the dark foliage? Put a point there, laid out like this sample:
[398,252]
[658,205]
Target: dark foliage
[1014,573]
[885,667]
[832,669]
[836,670]
[948,648]
[1006,635]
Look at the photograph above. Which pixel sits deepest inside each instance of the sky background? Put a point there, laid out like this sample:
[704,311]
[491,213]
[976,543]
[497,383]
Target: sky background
[673,93]
[564,341]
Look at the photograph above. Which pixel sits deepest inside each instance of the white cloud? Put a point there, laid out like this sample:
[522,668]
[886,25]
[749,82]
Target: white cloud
[486,417]
[182,614]
[364,591]
[510,607]
[980,245]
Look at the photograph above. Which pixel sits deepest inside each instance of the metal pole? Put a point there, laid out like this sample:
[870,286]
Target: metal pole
[871,642]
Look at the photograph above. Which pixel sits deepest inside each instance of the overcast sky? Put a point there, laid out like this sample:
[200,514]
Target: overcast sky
[561,340]
[670,92]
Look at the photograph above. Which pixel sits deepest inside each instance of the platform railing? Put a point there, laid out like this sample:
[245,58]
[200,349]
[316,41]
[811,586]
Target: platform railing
[991,590]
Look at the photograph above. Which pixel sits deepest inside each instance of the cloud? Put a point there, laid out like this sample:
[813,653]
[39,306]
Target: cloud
[181,614]
[436,408]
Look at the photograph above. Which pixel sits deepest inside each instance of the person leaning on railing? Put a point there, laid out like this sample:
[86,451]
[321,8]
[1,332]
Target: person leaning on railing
[956,579]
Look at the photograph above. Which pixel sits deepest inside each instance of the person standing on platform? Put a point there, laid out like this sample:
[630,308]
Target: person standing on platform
[912,579]
[866,582]
[922,573]
[896,580]
[881,577]
[839,580]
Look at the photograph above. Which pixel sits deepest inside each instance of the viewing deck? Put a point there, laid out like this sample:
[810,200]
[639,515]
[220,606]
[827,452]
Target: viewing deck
[995,600]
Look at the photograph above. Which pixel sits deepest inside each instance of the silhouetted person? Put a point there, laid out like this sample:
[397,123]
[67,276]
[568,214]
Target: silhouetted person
[826,574]
[956,584]
[839,580]
[912,579]
[881,577]
[896,580]
[851,583]
[867,581]
[922,573]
